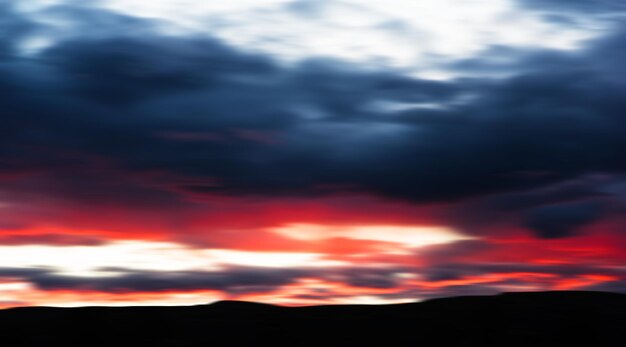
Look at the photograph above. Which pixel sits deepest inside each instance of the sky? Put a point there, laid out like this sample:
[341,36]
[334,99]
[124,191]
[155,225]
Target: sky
[304,152]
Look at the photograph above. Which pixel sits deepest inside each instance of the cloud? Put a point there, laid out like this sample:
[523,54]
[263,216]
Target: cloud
[125,69]
[555,221]
[234,280]
[368,277]
[117,129]
[583,6]
[365,32]
[86,120]
[22,272]
[452,252]
[456,271]
[391,284]
[50,239]
[613,286]
[188,86]
[14,27]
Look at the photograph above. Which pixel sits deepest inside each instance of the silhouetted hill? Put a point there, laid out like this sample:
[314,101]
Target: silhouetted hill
[515,319]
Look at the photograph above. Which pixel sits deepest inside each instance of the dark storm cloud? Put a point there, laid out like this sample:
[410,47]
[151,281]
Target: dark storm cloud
[245,280]
[555,221]
[193,107]
[110,108]
[234,280]
[492,214]
[123,70]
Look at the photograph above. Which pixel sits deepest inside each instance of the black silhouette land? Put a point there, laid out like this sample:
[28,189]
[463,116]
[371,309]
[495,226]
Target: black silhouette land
[512,319]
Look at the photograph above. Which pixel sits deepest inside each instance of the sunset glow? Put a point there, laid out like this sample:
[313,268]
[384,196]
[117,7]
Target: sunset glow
[403,236]
[307,152]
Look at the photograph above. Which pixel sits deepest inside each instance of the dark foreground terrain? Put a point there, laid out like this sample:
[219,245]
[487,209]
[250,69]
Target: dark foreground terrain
[522,319]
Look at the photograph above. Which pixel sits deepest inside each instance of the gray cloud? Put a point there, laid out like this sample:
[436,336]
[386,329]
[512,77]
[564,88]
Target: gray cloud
[454,271]
[234,280]
[555,221]
[90,117]
[582,6]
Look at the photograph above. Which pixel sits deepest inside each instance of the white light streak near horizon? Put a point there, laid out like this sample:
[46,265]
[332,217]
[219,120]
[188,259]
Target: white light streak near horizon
[404,236]
[103,260]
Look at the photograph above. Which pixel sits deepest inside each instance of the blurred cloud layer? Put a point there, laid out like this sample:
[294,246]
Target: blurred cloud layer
[418,36]
[300,151]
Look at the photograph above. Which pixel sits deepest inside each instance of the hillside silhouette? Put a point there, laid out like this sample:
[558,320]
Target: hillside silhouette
[512,319]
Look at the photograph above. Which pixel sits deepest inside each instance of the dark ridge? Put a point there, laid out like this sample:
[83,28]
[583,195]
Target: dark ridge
[514,319]
[227,306]
[235,304]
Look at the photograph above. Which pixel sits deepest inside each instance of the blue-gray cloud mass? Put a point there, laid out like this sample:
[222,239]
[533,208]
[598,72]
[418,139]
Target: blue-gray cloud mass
[119,101]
